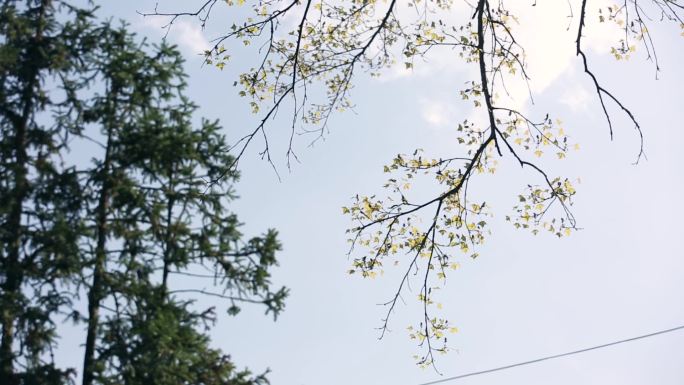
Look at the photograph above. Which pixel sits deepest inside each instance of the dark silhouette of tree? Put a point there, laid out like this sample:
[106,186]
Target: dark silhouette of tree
[140,234]
[155,218]
[40,220]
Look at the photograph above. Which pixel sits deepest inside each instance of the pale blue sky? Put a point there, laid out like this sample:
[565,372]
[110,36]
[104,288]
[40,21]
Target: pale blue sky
[525,296]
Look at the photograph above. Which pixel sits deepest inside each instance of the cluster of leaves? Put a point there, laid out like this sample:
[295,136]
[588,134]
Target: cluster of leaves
[397,227]
[122,232]
[632,19]
[309,42]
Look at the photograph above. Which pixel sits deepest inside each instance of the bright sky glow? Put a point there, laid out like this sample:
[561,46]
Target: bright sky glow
[525,296]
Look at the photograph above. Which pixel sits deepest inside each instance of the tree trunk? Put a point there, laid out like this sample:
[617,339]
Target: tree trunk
[168,239]
[97,288]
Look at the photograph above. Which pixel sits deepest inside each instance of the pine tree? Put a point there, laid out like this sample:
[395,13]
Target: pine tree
[132,233]
[188,233]
[41,45]
[157,208]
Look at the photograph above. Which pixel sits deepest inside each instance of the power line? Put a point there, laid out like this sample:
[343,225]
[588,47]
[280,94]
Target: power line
[552,357]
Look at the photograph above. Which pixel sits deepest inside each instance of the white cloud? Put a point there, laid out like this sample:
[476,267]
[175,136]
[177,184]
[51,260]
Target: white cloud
[436,112]
[188,35]
[547,34]
[576,97]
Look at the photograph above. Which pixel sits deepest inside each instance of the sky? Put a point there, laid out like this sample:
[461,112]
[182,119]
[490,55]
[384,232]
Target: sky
[525,296]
